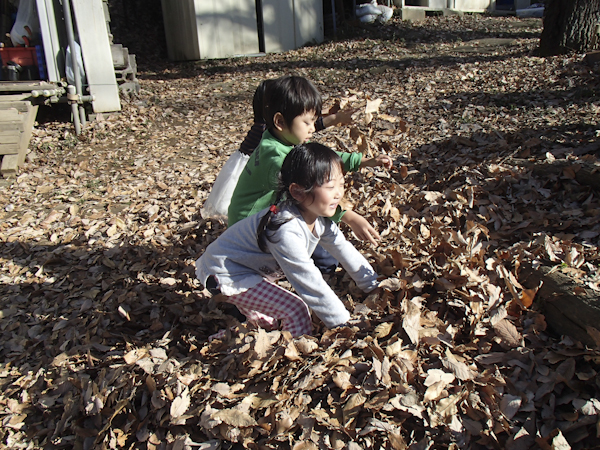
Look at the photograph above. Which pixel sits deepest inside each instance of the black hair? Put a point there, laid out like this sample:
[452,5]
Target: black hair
[258,101]
[308,165]
[291,96]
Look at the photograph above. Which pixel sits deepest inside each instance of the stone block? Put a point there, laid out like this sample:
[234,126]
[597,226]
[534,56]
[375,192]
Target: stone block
[415,14]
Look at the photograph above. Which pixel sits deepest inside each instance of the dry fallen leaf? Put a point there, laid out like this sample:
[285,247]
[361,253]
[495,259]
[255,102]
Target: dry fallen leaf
[180,404]
[508,333]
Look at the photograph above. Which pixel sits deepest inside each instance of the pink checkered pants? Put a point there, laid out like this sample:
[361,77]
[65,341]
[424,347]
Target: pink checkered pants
[266,303]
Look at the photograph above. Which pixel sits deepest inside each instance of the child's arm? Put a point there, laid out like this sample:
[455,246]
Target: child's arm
[350,258]
[381,160]
[289,248]
[342,117]
[361,227]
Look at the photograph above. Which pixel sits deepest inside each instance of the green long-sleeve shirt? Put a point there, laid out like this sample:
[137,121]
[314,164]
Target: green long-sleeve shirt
[257,185]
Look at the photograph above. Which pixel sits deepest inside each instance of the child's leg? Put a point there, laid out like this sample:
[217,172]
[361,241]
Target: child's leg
[260,319]
[324,261]
[268,299]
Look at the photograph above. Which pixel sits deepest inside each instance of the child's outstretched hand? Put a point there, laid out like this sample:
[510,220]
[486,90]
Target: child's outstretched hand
[361,227]
[342,117]
[381,160]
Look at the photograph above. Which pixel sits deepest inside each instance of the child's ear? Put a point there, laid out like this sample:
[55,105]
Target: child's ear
[297,192]
[279,121]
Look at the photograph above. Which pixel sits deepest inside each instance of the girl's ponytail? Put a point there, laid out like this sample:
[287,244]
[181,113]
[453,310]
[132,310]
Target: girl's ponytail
[263,225]
[268,223]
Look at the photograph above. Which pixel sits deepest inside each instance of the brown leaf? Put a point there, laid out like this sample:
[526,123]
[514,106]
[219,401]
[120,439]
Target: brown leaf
[291,352]
[133,356]
[508,333]
[342,380]
[509,405]
[373,105]
[412,319]
[527,296]
[403,172]
[234,417]
[459,368]
[305,445]
[306,346]
[383,329]
[262,344]
[569,173]
[352,408]
[397,441]
[393,284]
[594,334]
[434,391]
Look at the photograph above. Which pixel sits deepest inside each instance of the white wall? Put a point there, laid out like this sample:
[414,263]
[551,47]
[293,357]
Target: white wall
[458,5]
[203,29]
[473,5]
[226,27]
[290,24]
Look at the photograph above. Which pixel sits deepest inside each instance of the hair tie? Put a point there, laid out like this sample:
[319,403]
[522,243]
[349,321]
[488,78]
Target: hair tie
[274,209]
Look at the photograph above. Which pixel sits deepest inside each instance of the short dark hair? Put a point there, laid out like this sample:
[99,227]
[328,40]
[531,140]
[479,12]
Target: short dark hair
[291,96]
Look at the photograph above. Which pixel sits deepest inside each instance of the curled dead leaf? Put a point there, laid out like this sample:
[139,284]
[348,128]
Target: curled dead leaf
[353,407]
[393,284]
[384,329]
[306,346]
[180,404]
[234,417]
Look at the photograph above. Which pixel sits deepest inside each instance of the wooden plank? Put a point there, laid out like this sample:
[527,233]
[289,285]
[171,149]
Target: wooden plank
[18,97]
[10,148]
[9,137]
[11,125]
[97,57]
[26,134]
[10,115]
[25,86]
[16,105]
[9,165]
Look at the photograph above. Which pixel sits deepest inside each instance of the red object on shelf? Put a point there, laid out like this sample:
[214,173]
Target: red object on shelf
[23,56]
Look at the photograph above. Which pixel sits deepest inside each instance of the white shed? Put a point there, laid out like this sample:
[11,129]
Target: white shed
[206,29]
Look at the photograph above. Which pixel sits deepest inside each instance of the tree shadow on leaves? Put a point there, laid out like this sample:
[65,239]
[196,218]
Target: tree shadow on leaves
[73,299]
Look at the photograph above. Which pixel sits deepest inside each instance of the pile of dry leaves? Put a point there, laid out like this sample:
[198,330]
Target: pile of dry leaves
[104,327]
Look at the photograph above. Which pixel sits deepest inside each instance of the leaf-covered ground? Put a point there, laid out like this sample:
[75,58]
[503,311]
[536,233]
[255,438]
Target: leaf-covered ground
[104,327]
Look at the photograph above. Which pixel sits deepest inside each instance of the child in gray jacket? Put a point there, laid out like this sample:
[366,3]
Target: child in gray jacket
[246,260]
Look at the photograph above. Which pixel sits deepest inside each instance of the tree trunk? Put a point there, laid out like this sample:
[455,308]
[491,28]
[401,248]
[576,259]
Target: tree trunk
[570,26]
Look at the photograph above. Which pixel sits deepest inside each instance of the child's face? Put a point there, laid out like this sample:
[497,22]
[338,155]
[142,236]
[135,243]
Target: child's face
[324,199]
[300,130]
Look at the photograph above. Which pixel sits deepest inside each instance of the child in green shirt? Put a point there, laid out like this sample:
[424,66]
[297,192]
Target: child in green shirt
[291,106]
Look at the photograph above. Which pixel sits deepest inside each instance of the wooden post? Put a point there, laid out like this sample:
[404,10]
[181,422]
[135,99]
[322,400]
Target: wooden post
[570,308]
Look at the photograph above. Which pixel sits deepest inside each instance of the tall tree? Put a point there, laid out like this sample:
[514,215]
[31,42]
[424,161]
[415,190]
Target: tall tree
[570,26]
